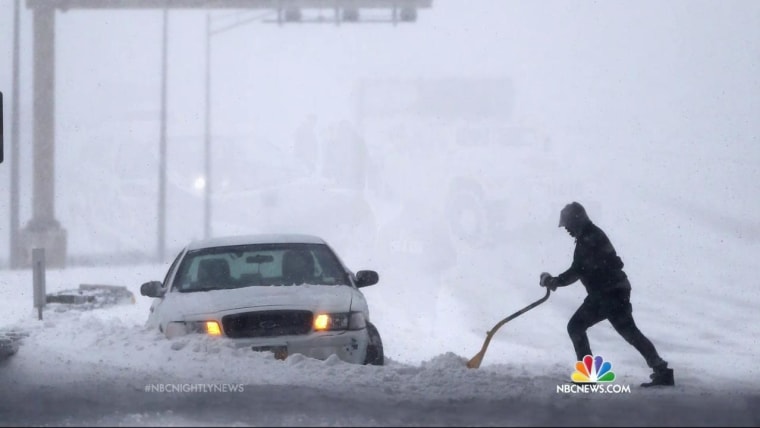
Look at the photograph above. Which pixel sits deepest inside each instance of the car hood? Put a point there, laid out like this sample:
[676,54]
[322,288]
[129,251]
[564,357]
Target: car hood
[316,298]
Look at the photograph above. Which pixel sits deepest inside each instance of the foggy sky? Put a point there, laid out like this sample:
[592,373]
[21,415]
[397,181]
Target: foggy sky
[671,76]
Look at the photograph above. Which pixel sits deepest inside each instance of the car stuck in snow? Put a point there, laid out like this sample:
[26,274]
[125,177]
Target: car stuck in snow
[284,293]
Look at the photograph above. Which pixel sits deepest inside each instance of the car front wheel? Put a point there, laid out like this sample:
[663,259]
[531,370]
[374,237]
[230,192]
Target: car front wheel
[375,354]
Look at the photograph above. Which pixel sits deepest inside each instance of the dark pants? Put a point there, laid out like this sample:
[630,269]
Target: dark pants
[615,307]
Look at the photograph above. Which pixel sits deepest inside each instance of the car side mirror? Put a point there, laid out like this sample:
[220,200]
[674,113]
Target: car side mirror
[152,289]
[366,278]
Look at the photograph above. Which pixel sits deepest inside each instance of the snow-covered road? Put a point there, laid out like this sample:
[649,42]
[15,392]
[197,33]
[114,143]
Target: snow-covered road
[102,367]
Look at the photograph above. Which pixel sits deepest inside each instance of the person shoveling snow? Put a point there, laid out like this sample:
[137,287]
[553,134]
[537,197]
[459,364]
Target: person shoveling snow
[600,270]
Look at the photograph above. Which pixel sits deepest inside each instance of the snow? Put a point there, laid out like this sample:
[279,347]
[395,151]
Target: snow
[664,158]
[691,297]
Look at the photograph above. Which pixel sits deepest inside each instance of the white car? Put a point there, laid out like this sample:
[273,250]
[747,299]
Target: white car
[282,293]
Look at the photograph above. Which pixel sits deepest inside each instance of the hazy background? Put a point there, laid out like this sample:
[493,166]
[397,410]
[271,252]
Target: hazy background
[657,85]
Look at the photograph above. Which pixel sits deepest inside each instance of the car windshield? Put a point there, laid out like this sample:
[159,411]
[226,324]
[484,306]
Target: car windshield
[259,265]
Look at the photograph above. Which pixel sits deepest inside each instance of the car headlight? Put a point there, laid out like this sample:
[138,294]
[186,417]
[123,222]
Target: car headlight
[212,328]
[339,321]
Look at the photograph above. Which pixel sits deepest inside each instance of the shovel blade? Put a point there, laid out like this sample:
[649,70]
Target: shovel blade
[475,361]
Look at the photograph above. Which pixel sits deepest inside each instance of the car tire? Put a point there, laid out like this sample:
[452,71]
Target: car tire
[375,355]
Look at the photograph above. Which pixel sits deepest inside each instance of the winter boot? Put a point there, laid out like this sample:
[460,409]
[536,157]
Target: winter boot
[661,377]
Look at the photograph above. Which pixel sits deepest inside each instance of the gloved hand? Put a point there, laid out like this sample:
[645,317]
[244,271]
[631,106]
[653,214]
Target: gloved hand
[548,281]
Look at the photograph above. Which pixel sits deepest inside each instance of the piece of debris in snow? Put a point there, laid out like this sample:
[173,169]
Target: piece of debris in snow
[90,296]
[9,342]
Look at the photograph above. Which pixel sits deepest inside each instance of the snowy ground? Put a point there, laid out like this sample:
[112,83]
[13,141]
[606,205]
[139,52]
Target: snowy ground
[693,295]
[98,367]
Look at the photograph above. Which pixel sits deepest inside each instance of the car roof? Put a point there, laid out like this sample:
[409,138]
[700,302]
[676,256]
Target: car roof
[268,238]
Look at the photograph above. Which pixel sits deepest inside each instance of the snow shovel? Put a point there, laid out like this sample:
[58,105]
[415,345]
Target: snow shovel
[475,361]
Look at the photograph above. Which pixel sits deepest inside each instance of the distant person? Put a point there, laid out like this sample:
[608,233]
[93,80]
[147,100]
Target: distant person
[306,145]
[345,157]
[600,270]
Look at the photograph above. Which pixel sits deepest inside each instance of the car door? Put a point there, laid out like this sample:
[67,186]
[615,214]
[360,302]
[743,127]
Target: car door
[154,317]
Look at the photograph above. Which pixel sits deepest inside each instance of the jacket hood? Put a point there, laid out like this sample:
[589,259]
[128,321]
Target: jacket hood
[573,217]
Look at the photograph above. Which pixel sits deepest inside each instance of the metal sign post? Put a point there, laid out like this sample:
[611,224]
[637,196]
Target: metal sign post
[38,279]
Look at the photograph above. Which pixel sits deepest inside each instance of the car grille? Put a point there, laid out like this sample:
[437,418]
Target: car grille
[267,324]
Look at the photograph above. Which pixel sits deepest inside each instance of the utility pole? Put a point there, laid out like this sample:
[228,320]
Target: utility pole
[161,250]
[207,138]
[14,217]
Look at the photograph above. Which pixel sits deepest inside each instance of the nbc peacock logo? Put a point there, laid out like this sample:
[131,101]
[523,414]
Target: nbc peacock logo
[592,370]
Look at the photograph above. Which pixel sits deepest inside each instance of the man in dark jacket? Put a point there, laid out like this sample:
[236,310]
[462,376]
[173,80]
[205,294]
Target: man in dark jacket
[600,270]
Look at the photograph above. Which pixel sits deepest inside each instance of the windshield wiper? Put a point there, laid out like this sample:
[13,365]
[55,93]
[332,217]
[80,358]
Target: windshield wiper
[192,290]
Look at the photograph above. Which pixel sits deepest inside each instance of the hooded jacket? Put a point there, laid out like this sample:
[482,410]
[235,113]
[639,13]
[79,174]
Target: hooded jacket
[595,263]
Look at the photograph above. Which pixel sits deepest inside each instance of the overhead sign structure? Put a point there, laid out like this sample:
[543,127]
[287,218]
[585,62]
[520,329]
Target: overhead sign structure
[43,230]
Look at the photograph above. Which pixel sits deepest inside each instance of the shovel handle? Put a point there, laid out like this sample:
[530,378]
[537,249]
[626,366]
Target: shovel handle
[520,312]
[476,360]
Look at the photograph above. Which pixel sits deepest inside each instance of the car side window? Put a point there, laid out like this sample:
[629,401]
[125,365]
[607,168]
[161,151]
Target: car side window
[171,269]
